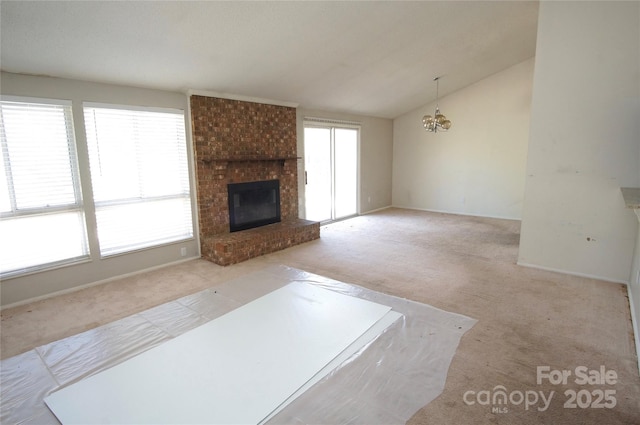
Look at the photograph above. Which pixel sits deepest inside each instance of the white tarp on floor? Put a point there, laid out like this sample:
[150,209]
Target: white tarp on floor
[401,368]
[236,369]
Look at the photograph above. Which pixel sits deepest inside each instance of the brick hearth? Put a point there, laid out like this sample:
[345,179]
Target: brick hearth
[238,142]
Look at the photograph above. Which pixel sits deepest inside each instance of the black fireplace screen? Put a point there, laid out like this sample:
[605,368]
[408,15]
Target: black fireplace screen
[253,204]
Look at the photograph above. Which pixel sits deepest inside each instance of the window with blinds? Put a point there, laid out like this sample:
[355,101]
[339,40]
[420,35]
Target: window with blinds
[139,175]
[41,215]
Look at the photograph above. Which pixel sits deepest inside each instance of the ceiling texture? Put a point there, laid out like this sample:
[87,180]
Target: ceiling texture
[359,57]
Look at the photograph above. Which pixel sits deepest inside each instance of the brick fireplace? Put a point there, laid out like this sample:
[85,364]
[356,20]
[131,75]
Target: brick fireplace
[237,142]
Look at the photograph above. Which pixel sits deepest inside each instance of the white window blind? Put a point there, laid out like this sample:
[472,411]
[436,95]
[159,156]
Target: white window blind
[41,215]
[140,178]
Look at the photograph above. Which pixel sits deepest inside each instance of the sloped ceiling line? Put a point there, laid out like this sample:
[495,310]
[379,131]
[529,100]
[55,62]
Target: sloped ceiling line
[366,58]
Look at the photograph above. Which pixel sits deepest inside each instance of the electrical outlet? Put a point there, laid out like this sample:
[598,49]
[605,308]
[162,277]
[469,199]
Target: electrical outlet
[183,251]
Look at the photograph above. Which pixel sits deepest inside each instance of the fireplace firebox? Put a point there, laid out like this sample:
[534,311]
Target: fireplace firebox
[253,204]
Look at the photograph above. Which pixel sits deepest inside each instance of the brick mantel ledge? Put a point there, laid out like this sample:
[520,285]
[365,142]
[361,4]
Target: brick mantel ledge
[211,158]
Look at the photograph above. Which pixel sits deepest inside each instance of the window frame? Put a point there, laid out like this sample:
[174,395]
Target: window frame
[187,196]
[77,206]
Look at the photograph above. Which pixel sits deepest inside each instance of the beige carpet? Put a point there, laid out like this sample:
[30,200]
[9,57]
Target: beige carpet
[526,318]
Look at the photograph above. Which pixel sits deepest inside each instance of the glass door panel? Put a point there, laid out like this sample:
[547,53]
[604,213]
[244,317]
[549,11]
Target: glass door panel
[346,172]
[318,176]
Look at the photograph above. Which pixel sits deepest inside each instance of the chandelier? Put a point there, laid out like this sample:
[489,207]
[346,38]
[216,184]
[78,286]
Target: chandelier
[438,122]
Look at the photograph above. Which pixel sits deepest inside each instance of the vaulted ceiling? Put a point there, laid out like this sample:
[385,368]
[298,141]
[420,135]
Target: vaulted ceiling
[362,57]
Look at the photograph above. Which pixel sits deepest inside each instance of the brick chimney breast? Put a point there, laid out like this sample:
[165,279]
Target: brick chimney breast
[236,142]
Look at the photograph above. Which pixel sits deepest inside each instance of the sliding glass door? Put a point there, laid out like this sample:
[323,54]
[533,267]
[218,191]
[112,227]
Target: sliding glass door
[331,171]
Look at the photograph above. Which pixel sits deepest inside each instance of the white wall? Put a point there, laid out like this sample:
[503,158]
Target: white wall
[478,166]
[585,140]
[375,181]
[376,153]
[37,285]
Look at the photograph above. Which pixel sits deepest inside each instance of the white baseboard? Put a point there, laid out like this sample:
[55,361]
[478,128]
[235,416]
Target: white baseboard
[457,213]
[91,284]
[588,276]
[634,323]
[376,210]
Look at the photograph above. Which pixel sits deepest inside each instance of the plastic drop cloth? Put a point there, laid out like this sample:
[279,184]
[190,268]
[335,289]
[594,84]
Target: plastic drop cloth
[387,381]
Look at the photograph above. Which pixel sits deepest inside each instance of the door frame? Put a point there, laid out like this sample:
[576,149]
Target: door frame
[332,124]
